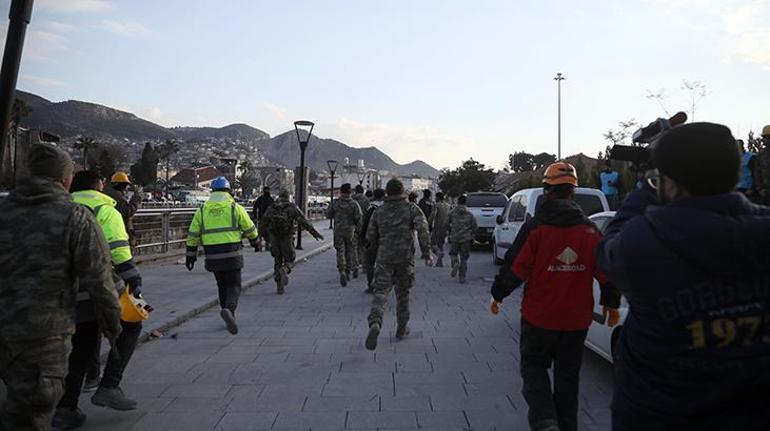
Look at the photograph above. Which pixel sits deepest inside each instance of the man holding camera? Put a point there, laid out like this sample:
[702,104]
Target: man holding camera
[691,257]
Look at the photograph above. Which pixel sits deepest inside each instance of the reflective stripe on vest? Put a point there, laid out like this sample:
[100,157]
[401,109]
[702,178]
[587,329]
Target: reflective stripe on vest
[113,228]
[225,255]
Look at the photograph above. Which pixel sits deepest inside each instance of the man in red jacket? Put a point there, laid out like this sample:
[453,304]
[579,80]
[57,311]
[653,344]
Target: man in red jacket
[555,254]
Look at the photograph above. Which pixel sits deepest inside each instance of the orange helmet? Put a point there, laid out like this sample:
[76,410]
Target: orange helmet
[560,173]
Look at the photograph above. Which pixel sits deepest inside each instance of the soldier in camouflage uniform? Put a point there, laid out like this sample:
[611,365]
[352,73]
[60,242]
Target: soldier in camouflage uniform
[391,231]
[48,244]
[280,222]
[347,218]
[439,224]
[462,228]
[363,205]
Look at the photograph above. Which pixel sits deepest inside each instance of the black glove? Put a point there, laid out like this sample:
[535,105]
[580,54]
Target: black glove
[190,262]
[135,286]
[318,236]
[255,243]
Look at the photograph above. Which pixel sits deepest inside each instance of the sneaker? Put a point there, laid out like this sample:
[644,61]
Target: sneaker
[343,279]
[402,331]
[355,273]
[91,384]
[112,398]
[371,339]
[68,419]
[229,319]
[284,275]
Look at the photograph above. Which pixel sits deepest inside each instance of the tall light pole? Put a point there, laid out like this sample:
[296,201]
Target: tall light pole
[332,169]
[361,175]
[306,126]
[559,78]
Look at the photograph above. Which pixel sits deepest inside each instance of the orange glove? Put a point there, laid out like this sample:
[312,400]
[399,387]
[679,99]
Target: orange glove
[494,307]
[611,316]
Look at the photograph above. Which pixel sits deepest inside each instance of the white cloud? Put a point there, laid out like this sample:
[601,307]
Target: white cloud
[124,28]
[153,114]
[40,81]
[58,27]
[74,5]
[406,143]
[40,45]
[278,112]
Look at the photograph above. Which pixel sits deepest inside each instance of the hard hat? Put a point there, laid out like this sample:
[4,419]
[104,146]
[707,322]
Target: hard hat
[220,183]
[133,309]
[120,177]
[766,130]
[560,173]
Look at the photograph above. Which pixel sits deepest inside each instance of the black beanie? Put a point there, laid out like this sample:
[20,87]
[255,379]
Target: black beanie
[702,157]
[345,189]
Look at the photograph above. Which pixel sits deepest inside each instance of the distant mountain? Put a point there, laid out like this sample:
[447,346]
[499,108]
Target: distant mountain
[284,149]
[73,118]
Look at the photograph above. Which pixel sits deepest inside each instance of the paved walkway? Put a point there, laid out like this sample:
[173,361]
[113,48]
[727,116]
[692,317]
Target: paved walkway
[299,363]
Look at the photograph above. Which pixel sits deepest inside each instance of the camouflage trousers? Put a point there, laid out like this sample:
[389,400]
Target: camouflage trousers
[437,240]
[282,250]
[358,250]
[463,250]
[346,252]
[387,277]
[33,372]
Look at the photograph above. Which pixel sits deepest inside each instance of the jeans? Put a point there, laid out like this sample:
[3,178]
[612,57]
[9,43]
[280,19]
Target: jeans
[541,348]
[120,354]
[229,287]
[85,343]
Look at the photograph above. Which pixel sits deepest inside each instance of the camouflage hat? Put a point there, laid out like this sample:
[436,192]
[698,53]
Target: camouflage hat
[49,161]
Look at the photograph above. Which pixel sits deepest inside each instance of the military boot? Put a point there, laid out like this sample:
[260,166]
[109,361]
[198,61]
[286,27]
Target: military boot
[355,272]
[455,267]
[113,398]
[462,278]
[402,331]
[440,261]
[371,339]
[68,419]
[343,279]
[229,319]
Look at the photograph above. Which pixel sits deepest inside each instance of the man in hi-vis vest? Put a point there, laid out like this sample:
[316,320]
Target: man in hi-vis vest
[218,226]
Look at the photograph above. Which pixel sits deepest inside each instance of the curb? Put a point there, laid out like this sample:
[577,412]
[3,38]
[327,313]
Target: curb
[267,275]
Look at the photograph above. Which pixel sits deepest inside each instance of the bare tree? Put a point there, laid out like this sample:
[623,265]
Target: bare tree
[660,97]
[696,91]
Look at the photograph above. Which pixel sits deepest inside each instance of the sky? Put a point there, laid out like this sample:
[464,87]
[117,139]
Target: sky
[436,80]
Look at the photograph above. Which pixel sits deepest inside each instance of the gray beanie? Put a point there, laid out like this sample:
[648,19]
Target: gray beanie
[49,161]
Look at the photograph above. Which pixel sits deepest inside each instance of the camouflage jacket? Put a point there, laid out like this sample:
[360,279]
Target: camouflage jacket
[439,217]
[126,208]
[346,214]
[391,231]
[292,211]
[49,244]
[362,200]
[462,225]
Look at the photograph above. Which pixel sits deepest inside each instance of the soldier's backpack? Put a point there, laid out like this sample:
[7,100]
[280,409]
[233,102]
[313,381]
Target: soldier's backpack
[281,223]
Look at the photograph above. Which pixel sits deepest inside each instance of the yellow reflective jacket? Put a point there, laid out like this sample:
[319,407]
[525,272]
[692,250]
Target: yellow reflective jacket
[219,225]
[113,228]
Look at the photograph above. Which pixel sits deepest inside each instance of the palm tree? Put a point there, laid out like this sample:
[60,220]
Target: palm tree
[165,151]
[85,143]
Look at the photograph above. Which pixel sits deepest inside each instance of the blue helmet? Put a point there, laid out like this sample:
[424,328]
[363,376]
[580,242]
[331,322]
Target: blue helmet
[220,183]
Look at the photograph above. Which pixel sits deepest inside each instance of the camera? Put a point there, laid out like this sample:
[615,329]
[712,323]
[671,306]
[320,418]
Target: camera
[640,154]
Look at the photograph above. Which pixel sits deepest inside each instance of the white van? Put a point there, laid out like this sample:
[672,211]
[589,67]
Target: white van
[523,205]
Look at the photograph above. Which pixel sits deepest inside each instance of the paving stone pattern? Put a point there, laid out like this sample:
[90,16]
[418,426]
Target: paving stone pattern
[299,363]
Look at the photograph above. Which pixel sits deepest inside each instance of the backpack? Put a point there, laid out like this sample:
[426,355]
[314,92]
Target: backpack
[281,223]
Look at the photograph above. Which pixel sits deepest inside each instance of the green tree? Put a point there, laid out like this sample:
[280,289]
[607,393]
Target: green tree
[470,176]
[542,160]
[145,170]
[521,161]
[85,144]
[19,112]
[166,151]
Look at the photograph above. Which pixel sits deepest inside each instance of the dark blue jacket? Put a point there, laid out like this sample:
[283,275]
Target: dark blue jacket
[695,348]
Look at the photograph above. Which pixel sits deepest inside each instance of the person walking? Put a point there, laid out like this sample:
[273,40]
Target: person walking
[426,204]
[363,205]
[555,254]
[439,227]
[44,264]
[461,229]
[392,228]
[748,180]
[260,208]
[219,225]
[280,222]
[611,184]
[347,219]
[86,190]
[118,190]
[692,260]
[370,257]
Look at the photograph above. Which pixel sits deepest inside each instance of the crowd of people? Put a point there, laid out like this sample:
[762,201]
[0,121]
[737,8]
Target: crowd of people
[686,249]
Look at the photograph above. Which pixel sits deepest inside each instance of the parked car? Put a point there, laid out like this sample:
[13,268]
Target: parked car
[601,338]
[523,205]
[485,207]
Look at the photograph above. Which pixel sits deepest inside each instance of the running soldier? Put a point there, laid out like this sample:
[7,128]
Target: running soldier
[391,231]
[363,204]
[347,217]
[439,225]
[279,222]
[370,257]
[462,226]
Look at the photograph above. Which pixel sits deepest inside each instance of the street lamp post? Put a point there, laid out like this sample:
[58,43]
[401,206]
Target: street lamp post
[306,126]
[361,174]
[332,169]
[559,78]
